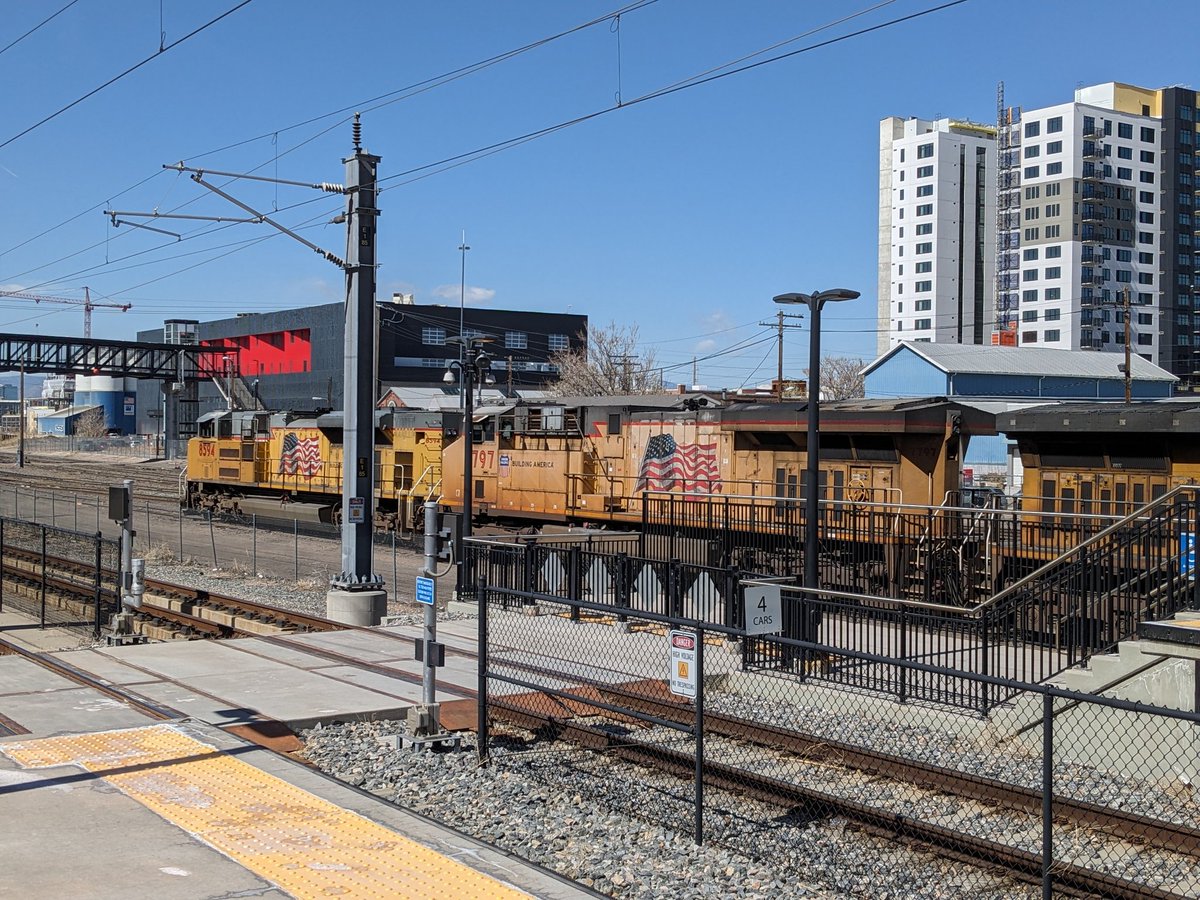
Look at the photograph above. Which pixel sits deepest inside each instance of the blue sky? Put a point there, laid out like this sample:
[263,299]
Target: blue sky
[683,215]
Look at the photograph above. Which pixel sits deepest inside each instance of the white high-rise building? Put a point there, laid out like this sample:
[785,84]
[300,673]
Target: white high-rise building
[1105,220]
[937,225]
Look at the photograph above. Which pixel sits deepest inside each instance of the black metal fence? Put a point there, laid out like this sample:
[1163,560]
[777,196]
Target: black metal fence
[67,579]
[1054,792]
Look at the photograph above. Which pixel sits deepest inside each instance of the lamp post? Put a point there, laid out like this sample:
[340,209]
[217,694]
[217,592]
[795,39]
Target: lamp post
[474,367]
[462,295]
[812,490]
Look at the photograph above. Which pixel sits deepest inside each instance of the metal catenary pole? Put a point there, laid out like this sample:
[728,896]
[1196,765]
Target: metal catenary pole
[429,635]
[698,728]
[481,725]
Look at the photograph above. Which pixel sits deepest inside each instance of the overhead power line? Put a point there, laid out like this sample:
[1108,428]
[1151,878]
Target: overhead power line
[161,50]
[44,21]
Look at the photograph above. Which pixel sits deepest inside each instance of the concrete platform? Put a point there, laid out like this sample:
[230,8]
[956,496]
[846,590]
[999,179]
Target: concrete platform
[124,846]
[154,826]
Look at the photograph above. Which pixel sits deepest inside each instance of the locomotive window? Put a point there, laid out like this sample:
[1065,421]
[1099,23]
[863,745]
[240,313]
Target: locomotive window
[1105,502]
[1068,501]
[224,428]
[1146,463]
[402,473]
[1157,490]
[768,440]
[1085,498]
[836,446]
[614,423]
[874,447]
[1048,495]
[1139,494]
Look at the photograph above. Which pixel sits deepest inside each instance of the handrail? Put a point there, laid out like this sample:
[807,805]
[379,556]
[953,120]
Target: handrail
[1094,539]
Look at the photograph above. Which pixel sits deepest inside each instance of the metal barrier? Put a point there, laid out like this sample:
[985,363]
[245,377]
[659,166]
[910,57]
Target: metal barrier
[63,578]
[1067,792]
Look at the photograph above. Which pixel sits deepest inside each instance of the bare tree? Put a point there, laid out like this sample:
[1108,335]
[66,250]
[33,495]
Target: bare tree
[610,362]
[91,424]
[841,378]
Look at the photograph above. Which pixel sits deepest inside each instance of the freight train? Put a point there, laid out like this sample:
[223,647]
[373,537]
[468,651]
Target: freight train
[593,460]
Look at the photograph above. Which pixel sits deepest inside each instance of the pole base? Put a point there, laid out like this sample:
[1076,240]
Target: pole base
[356,607]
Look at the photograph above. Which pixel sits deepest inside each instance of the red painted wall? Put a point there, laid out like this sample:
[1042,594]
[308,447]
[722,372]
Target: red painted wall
[273,353]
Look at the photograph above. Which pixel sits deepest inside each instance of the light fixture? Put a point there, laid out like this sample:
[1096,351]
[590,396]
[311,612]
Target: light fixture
[448,378]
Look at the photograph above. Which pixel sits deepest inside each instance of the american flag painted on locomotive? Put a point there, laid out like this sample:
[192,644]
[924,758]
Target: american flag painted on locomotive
[300,456]
[667,465]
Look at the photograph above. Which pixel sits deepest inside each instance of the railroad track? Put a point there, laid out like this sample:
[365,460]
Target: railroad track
[947,842]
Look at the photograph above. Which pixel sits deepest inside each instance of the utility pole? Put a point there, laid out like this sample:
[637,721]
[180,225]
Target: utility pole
[695,374]
[358,383]
[21,421]
[779,324]
[510,389]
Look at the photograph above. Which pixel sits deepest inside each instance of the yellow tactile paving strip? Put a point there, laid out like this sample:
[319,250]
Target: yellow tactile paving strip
[305,845]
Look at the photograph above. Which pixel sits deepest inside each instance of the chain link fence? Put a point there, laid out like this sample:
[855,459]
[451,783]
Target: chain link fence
[1052,793]
[308,554]
[62,578]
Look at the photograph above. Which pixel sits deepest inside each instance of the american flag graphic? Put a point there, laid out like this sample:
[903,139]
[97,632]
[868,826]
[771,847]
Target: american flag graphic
[301,457]
[668,466]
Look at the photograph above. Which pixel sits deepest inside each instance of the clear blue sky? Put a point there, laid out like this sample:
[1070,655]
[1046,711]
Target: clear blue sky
[683,215]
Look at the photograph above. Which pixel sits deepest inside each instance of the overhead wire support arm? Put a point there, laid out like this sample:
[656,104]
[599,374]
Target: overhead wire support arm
[333,258]
[328,187]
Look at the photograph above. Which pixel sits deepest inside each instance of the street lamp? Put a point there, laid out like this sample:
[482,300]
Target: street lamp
[814,301]
[462,293]
[475,367]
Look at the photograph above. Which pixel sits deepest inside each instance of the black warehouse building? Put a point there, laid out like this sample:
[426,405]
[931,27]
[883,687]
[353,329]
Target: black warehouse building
[292,359]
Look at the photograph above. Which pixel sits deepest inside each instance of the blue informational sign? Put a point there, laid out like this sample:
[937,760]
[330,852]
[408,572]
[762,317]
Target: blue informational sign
[426,590]
[1187,554]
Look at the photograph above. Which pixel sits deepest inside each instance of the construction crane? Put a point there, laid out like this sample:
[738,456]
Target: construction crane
[87,303]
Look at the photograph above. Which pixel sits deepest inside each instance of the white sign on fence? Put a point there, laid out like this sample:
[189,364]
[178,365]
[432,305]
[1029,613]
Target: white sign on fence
[763,609]
[682,648]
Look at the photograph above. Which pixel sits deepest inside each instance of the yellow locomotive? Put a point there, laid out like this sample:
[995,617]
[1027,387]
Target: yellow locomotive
[290,466]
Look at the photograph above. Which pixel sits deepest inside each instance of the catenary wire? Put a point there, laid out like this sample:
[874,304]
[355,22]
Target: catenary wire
[44,21]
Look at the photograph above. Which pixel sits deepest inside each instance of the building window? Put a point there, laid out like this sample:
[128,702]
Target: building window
[925,228]
[1032,192]
[1053,272]
[924,190]
[515,340]
[431,363]
[433,337]
[1124,276]
[1052,232]
[1052,190]
[925,247]
[1028,337]
[924,171]
[924,151]
[1032,213]
[1145,278]
[1125,173]
[1146,177]
[1147,135]
[1145,340]
[1185,113]
[1051,335]
[1054,125]
[1032,171]
[901,193]
[924,305]
[922,324]
[1054,147]
[1052,315]
[1146,218]
[1054,252]
[923,267]
[1033,129]
[1029,296]
[1125,130]
[922,286]
[1033,151]
[925,209]
[1029,275]
[1146,156]
[1146,259]
[1125,153]
[562,342]
[1053,210]
[1029,253]
[1031,234]
[1029,315]
[1054,168]
[1145,237]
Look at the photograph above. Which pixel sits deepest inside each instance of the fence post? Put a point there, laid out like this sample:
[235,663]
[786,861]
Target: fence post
[481,725]
[527,579]
[212,538]
[395,574]
[674,589]
[574,579]
[903,669]
[254,544]
[179,519]
[698,729]
[75,503]
[35,503]
[99,565]
[730,618]
[296,545]
[43,576]
[984,666]
[623,587]
[149,536]
[1047,794]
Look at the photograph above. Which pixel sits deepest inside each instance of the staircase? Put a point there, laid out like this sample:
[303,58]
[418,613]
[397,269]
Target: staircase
[237,393]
